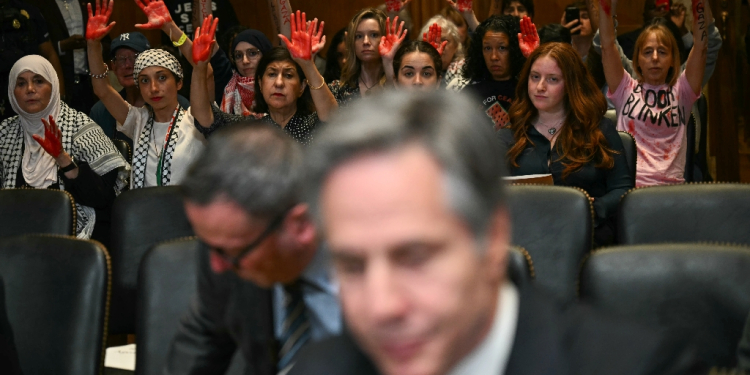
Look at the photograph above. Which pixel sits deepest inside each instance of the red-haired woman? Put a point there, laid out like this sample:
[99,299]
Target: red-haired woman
[558,127]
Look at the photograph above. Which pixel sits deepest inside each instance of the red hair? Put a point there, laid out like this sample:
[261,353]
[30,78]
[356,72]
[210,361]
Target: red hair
[579,141]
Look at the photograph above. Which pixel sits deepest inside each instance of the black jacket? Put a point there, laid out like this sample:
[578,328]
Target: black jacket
[549,339]
[226,312]
[607,186]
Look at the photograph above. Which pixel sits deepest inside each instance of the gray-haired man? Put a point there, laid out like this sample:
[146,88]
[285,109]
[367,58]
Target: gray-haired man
[408,195]
[243,198]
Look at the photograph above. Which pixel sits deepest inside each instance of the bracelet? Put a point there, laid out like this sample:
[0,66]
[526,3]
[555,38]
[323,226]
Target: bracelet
[316,88]
[69,167]
[103,75]
[180,42]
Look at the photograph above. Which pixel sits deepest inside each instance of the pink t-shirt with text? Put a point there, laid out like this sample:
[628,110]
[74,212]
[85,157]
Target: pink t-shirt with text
[657,117]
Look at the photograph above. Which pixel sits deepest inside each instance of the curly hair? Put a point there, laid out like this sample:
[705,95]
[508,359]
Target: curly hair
[476,68]
[580,141]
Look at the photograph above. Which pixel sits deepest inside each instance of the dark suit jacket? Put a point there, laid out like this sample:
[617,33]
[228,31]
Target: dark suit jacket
[58,31]
[549,340]
[226,312]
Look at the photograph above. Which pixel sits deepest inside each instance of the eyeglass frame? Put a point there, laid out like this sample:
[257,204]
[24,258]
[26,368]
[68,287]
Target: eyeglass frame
[272,226]
[249,51]
[115,60]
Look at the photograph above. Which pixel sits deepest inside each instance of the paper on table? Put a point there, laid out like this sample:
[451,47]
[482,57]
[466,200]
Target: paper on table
[544,179]
[120,357]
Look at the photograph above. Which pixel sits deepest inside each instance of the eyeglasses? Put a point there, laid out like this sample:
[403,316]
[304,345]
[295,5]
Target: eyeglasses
[121,61]
[272,226]
[251,54]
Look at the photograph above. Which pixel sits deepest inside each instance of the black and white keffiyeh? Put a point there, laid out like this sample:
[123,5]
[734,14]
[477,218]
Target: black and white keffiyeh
[83,139]
[156,57]
[140,156]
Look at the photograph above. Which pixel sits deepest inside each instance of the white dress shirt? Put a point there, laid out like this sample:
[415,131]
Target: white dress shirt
[71,12]
[492,354]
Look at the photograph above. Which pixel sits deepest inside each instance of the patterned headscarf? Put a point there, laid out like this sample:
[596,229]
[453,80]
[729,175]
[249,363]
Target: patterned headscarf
[39,168]
[156,57]
[239,94]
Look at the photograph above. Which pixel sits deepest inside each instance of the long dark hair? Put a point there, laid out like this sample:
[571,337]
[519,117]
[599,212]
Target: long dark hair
[475,68]
[580,140]
[333,70]
[305,103]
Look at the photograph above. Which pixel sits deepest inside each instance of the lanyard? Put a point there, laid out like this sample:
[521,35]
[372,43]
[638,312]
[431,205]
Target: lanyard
[164,148]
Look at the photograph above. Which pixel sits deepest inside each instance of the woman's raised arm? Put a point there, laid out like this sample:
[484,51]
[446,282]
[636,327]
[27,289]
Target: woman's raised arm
[695,67]
[96,29]
[308,40]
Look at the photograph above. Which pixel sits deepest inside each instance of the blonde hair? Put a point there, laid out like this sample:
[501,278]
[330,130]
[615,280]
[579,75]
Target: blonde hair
[664,36]
[353,67]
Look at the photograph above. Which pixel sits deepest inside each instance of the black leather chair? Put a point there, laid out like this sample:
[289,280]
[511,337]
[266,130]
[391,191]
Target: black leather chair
[631,153]
[699,291]
[685,213]
[124,149]
[141,218]
[56,291]
[554,224]
[520,266]
[166,283]
[26,211]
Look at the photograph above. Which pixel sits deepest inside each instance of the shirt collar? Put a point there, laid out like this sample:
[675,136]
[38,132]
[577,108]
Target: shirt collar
[493,353]
[317,273]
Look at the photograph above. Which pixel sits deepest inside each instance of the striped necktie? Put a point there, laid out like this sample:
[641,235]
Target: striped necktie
[295,330]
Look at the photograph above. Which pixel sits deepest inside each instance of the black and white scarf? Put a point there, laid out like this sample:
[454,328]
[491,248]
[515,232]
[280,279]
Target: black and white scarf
[83,139]
[140,156]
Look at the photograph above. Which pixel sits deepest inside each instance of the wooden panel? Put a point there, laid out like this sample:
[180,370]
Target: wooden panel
[337,13]
[723,94]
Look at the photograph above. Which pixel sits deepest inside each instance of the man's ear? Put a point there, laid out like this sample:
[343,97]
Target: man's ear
[299,225]
[498,243]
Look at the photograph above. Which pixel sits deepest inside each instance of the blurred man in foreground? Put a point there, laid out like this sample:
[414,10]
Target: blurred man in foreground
[407,192]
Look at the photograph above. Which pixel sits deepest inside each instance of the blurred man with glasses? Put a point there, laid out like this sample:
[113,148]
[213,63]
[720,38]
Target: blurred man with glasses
[263,284]
[123,51]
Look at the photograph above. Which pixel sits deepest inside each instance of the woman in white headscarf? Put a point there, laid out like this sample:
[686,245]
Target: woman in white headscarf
[49,145]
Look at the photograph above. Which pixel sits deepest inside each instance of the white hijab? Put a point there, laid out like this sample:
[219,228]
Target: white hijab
[39,168]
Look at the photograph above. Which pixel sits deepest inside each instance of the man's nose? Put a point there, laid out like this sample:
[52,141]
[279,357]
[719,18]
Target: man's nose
[387,302]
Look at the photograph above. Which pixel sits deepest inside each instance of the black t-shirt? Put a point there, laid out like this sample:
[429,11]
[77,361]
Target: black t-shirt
[182,14]
[496,97]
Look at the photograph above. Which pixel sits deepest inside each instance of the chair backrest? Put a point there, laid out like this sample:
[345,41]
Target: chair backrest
[166,283]
[631,154]
[685,213]
[699,291]
[554,224]
[27,211]
[612,115]
[56,291]
[124,149]
[520,266]
[141,218]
